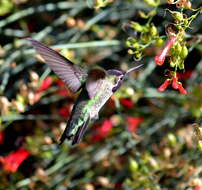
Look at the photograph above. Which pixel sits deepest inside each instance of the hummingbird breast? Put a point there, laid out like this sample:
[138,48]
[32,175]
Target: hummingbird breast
[104,93]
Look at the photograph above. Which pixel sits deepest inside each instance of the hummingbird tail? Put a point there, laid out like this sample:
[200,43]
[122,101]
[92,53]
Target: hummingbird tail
[79,134]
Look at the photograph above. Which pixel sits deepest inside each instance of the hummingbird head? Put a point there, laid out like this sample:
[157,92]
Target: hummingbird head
[119,76]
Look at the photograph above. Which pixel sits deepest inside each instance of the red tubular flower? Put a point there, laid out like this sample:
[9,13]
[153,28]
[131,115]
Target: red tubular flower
[12,161]
[164,85]
[198,187]
[159,60]
[1,137]
[133,122]
[102,131]
[64,112]
[185,75]
[126,102]
[47,82]
[175,83]
[62,91]
[181,89]
[60,82]
[106,128]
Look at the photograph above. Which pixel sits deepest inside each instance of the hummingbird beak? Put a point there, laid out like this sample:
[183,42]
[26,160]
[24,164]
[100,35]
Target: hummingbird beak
[133,68]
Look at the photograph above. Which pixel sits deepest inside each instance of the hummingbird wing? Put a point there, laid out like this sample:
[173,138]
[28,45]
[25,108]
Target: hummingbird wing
[72,75]
[95,79]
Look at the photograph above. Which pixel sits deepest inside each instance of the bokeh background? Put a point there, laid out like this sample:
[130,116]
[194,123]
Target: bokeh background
[144,139]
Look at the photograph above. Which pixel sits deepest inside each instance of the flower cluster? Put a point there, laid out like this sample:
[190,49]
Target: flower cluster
[147,35]
[159,60]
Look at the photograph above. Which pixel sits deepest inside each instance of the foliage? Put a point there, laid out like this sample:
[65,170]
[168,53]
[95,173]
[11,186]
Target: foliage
[144,138]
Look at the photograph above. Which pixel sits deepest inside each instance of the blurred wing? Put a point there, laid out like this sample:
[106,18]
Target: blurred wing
[95,80]
[72,75]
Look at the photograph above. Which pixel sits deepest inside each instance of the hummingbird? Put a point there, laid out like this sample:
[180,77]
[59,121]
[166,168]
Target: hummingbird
[96,86]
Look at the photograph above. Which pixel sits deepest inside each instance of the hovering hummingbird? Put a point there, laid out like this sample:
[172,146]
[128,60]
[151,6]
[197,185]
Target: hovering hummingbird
[97,87]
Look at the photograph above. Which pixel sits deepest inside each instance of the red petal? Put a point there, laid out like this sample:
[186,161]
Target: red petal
[185,75]
[62,92]
[175,83]
[102,131]
[181,89]
[45,84]
[1,137]
[64,112]
[133,122]
[126,102]
[159,60]
[164,85]
[60,82]
[106,127]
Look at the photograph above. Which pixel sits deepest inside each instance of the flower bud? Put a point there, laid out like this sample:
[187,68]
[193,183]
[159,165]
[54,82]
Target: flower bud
[33,76]
[152,3]
[178,48]
[200,145]
[136,26]
[130,51]
[172,63]
[181,65]
[133,166]
[184,52]
[172,139]
[159,42]
[177,15]
[153,30]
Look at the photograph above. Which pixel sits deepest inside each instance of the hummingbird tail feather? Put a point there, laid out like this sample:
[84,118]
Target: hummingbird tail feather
[79,134]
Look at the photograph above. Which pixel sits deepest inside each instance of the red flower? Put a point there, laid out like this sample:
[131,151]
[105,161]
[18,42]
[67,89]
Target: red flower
[46,83]
[12,161]
[62,91]
[164,85]
[133,122]
[126,102]
[175,84]
[60,82]
[1,137]
[102,131]
[159,60]
[198,187]
[64,112]
[185,75]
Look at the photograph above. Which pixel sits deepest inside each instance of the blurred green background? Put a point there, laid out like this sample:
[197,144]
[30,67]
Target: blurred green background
[144,139]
